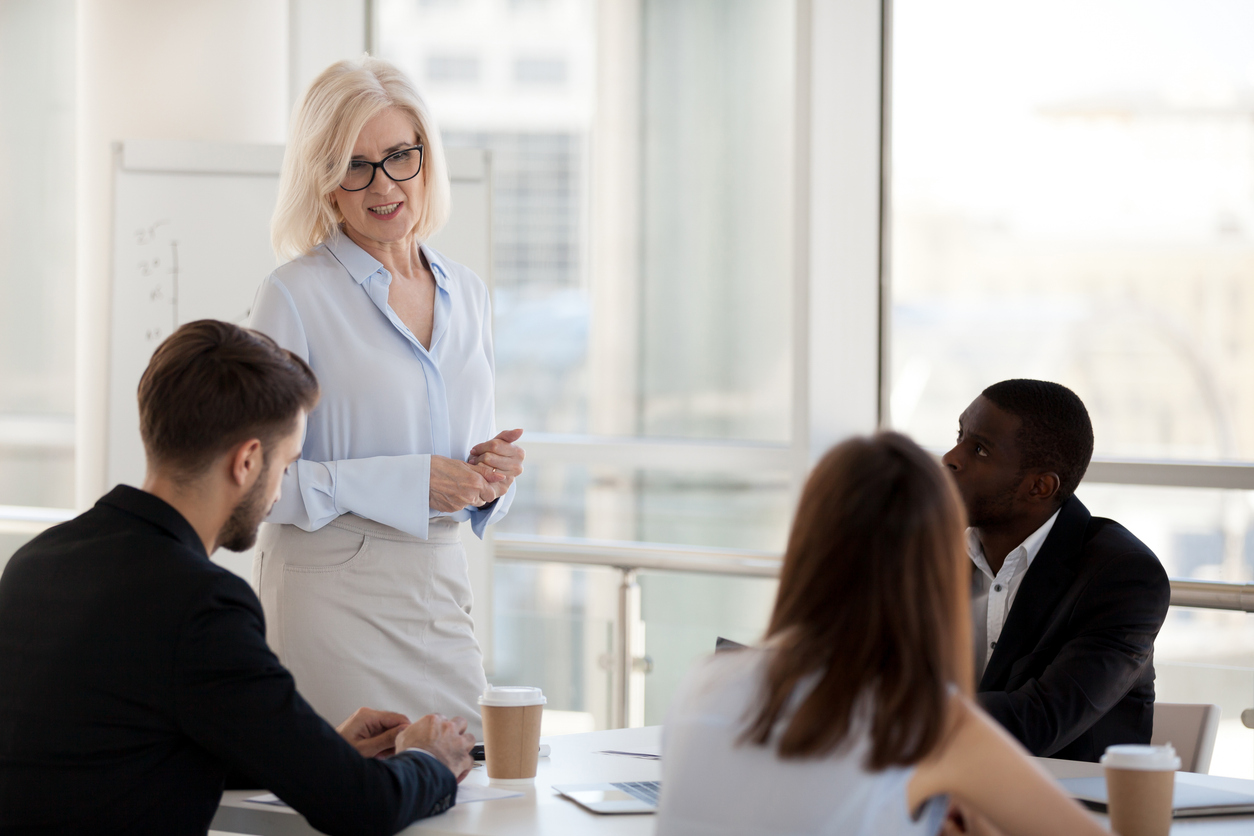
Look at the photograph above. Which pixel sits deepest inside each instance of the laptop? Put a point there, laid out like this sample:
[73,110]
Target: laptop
[614,799]
[1192,797]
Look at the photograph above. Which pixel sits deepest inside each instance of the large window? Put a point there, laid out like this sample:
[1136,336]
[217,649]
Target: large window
[1073,199]
[642,278]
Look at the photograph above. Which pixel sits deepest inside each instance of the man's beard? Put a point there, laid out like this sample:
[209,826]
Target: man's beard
[239,532]
[992,508]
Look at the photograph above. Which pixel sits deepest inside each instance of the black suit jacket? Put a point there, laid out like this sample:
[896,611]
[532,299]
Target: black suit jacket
[134,674]
[1073,670]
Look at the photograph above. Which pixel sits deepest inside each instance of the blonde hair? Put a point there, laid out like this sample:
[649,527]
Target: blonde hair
[325,126]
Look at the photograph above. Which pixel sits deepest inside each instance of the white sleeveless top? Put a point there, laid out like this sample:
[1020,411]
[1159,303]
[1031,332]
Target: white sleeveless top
[711,784]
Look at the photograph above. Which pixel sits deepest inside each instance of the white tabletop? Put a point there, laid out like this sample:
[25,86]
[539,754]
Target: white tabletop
[576,759]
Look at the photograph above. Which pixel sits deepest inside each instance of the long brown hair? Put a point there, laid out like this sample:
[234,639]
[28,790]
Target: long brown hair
[872,601]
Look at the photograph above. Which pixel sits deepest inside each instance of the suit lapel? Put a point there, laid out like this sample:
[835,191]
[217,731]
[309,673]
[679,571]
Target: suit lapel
[1047,580]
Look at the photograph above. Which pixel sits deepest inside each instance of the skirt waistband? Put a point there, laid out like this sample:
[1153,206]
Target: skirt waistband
[439,529]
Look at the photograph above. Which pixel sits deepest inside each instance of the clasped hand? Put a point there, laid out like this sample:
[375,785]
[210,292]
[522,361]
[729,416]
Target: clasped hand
[379,734]
[489,472]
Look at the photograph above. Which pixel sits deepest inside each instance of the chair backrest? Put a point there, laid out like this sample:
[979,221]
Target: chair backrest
[1191,728]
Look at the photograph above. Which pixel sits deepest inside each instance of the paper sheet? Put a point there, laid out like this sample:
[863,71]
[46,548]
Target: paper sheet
[467,793]
[648,756]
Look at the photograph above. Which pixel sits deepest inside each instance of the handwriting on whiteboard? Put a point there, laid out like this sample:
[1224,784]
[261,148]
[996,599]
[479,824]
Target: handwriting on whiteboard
[158,267]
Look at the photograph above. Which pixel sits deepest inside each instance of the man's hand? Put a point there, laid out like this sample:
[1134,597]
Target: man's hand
[454,484]
[502,457]
[446,739]
[373,733]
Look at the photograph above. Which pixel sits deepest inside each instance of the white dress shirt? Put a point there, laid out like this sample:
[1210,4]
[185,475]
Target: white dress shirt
[387,402]
[993,594]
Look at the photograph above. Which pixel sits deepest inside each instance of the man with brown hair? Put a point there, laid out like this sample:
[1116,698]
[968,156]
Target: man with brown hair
[136,672]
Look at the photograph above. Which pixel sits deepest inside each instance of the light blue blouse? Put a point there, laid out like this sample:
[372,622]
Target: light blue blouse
[387,403]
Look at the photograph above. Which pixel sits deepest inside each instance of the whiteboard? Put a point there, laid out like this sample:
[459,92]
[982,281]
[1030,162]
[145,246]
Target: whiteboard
[191,240]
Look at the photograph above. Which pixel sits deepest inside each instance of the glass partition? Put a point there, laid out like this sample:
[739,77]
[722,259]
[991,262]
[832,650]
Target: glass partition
[1197,533]
[1207,656]
[684,614]
[553,626]
[750,511]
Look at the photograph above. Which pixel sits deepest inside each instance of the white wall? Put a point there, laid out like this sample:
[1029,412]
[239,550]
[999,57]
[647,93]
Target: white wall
[214,70]
[322,32]
[211,70]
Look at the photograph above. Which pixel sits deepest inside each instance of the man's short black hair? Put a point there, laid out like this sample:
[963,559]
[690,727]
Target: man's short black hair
[1056,433]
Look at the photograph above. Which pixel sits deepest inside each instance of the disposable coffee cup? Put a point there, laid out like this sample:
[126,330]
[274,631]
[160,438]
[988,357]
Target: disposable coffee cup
[511,732]
[1140,785]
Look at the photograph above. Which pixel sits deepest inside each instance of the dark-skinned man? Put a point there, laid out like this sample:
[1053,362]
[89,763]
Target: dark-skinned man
[135,672]
[1065,606]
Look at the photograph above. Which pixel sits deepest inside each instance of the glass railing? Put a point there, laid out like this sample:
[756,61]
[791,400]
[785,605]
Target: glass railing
[1207,656]
[677,606]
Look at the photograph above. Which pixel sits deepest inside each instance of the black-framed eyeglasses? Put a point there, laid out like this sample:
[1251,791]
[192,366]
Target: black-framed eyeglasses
[398,166]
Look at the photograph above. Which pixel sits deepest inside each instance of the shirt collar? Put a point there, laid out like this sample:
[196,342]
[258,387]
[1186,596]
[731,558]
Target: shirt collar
[1037,538]
[156,511]
[437,266]
[361,265]
[1031,546]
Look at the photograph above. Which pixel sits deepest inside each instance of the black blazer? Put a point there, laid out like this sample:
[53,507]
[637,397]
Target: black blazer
[134,674]
[1073,670]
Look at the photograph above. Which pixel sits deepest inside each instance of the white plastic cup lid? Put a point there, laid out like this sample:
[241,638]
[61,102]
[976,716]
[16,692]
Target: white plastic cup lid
[1136,756]
[512,695]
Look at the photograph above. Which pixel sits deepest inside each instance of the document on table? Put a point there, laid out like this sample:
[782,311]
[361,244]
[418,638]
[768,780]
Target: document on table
[473,792]
[466,793]
[648,756]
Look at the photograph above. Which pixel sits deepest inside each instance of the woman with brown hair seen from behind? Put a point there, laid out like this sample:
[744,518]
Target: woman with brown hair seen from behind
[855,715]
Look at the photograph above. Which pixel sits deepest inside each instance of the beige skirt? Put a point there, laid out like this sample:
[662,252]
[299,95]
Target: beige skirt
[365,615]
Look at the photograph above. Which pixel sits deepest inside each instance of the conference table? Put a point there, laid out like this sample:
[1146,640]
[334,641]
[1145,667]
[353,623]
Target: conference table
[580,759]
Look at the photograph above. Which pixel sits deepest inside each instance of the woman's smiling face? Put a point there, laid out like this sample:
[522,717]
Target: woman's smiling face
[385,212]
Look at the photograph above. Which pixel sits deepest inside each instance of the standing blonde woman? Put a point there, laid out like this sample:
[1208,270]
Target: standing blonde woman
[361,570]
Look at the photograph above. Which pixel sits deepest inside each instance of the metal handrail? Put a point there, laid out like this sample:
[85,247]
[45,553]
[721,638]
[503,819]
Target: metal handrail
[1214,595]
[625,555]
[630,557]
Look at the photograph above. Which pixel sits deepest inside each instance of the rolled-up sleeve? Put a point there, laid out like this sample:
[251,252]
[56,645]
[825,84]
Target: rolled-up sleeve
[389,489]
